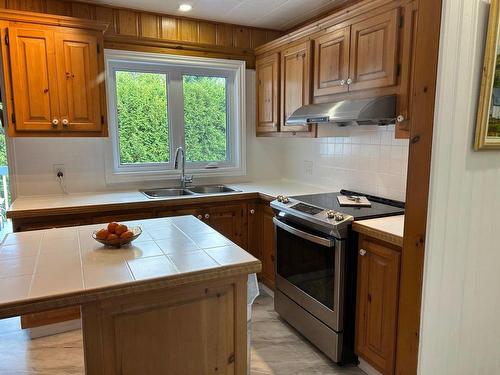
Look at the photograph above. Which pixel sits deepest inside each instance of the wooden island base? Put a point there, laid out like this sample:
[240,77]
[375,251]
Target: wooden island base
[197,329]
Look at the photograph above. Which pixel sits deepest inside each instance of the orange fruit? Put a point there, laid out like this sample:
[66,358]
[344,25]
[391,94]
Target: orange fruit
[112,237]
[121,228]
[112,227]
[126,235]
[102,234]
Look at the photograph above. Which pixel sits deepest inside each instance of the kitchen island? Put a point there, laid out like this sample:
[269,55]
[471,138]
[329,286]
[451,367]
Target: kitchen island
[173,302]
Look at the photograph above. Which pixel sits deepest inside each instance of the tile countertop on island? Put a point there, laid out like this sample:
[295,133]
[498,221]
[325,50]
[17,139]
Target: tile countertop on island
[26,206]
[389,229]
[61,267]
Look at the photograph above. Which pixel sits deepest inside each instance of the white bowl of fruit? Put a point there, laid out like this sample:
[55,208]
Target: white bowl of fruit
[116,235]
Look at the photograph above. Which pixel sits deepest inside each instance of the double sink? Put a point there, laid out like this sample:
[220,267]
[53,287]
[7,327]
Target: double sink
[193,190]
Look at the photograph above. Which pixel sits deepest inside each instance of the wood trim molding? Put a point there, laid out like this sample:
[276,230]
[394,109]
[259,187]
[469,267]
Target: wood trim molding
[417,194]
[50,19]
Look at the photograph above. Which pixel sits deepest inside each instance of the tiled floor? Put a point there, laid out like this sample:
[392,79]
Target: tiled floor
[276,350]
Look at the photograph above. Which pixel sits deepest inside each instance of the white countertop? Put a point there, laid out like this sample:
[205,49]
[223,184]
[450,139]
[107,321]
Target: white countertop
[269,188]
[68,261]
[389,229]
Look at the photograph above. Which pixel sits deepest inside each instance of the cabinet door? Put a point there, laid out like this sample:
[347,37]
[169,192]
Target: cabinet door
[34,79]
[374,52]
[331,62]
[267,70]
[228,221]
[254,230]
[268,246]
[79,81]
[377,303]
[295,83]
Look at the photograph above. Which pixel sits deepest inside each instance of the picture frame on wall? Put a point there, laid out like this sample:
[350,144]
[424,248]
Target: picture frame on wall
[488,117]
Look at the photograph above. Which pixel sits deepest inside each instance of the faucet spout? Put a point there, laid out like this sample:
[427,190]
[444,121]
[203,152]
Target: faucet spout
[181,155]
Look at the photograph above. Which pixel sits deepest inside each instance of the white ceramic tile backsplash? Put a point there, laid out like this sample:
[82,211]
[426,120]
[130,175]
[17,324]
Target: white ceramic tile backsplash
[370,160]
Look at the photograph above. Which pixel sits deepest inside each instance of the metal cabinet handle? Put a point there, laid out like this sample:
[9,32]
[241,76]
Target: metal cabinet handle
[252,211]
[349,81]
[400,118]
[207,216]
[362,252]
[65,123]
[55,122]
[342,83]
[200,217]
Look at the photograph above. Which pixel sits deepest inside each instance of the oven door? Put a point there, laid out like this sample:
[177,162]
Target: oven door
[310,271]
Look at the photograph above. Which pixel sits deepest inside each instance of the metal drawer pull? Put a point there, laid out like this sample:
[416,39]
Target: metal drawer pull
[306,236]
[200,217]
[252,211]
[362,252]
[342,83]
[207,216]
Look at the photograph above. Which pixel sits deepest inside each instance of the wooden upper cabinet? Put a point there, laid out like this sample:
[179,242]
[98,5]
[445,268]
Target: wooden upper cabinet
[374,52]
[267,71]
[331,62]
[377,304]
[34,84]
[295,83]
[79,81]
[53,75]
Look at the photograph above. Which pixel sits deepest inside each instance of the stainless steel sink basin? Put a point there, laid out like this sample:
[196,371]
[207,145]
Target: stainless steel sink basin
[211,189]
[193,190]
[165,193]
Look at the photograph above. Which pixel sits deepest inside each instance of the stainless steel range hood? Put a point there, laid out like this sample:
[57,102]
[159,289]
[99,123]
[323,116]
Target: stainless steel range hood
[373,111]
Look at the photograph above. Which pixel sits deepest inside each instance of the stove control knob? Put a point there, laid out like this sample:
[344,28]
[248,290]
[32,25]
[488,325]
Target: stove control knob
[285,200]
[330,214]
[339,217]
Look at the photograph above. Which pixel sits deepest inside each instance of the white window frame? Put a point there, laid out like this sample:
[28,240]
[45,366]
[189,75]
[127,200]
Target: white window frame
[175,66]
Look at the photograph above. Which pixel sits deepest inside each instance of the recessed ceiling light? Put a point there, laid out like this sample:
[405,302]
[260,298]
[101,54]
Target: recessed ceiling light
[185,7]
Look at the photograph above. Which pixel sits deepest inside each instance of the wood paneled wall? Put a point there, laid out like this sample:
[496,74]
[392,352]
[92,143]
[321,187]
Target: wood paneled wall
[138,30]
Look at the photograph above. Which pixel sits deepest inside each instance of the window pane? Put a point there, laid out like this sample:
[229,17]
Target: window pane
[142,117]
[205,118]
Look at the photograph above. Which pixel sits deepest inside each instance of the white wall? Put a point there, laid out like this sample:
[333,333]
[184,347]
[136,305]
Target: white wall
[460,331]
[368,160]
[84,159]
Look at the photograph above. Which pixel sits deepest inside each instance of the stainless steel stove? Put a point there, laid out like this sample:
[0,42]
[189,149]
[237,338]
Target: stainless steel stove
[316,265]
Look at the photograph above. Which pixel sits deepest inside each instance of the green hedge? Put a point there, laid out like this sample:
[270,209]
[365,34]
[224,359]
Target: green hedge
[143,119]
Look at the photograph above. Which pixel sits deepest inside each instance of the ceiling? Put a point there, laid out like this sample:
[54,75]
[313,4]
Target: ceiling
[271,14]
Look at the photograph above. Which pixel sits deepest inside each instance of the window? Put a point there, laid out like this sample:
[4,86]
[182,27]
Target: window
[158,103]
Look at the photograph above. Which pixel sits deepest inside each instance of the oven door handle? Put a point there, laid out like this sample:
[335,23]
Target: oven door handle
[306,236]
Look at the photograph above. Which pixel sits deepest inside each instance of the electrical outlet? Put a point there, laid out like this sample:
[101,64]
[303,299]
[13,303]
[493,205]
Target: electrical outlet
[58,168]
[308,167]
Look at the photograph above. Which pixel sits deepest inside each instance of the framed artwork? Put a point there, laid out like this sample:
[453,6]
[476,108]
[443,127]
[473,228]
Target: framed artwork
[488,117]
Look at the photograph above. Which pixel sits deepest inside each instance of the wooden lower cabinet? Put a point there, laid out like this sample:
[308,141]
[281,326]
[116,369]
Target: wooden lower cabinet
[377,303]
[268,246]
[229,220]
[261,240]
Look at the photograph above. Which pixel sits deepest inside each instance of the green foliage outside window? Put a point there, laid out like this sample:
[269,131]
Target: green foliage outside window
[143,117]
[205,118]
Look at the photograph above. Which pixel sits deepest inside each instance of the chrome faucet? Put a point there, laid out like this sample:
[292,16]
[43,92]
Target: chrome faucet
[185,179]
